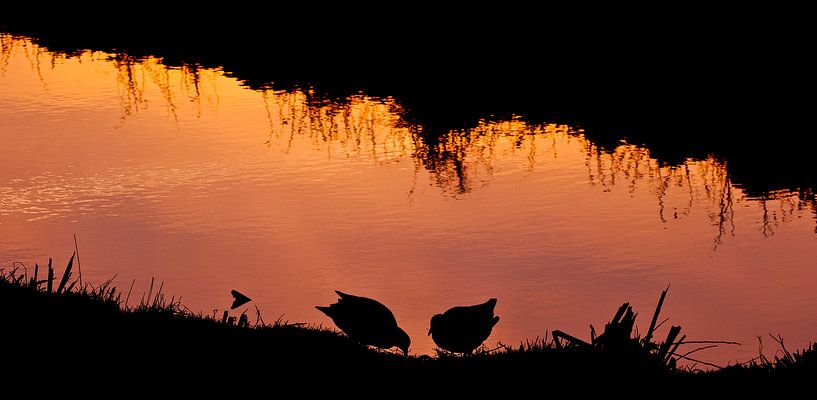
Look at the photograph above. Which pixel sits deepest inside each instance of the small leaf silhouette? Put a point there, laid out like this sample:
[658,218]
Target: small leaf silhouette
[240,299]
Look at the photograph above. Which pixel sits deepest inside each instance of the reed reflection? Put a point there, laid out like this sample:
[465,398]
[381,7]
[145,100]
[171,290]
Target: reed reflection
[462,161]
[172,83]
[130,84]
[458,162]
[359,127]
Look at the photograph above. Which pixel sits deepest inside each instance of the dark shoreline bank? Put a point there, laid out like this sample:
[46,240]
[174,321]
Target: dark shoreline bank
[87,332]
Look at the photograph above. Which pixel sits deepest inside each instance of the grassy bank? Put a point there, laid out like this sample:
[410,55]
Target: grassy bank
[78,331]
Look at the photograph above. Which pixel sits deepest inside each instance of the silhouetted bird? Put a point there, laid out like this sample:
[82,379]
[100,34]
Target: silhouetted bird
[463,329]
[367,321]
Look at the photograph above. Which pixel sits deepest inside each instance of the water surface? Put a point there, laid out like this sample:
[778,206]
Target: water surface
[189,176]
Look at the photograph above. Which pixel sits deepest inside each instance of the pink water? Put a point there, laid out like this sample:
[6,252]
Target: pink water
[200,182]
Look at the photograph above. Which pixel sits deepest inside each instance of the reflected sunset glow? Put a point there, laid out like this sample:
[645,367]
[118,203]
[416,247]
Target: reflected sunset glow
[189,176]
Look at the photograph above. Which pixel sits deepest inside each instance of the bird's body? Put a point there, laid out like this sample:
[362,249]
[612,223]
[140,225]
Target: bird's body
[463,329]
[366,321]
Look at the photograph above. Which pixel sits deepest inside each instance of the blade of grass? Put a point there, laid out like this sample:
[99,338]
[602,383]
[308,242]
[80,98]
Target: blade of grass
[655,316]
[67,274]
[620,313]
[708,342]
[129,291]
[700,362]
[675,348]
[711,346]
[71,286]
[570,339]
[34,279]
[258,317]
[79,267]
[157,301]
[673,333]
[50,283]
[150,293]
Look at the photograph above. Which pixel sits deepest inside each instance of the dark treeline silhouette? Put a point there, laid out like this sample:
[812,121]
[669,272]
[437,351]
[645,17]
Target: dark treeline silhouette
[687,86]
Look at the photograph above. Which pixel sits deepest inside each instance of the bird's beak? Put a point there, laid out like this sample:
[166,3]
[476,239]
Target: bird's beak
[429,331]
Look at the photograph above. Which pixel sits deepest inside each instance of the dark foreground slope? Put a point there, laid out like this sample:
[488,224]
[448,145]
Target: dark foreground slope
[63,334]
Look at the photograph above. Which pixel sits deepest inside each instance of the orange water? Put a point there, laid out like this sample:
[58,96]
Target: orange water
[187,176]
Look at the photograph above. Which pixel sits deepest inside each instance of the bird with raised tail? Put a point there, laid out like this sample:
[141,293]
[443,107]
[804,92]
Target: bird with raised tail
[463,329]
[367,321]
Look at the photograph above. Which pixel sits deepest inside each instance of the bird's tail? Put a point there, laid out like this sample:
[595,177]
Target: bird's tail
[329,311]
[490,304]
[345,295]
